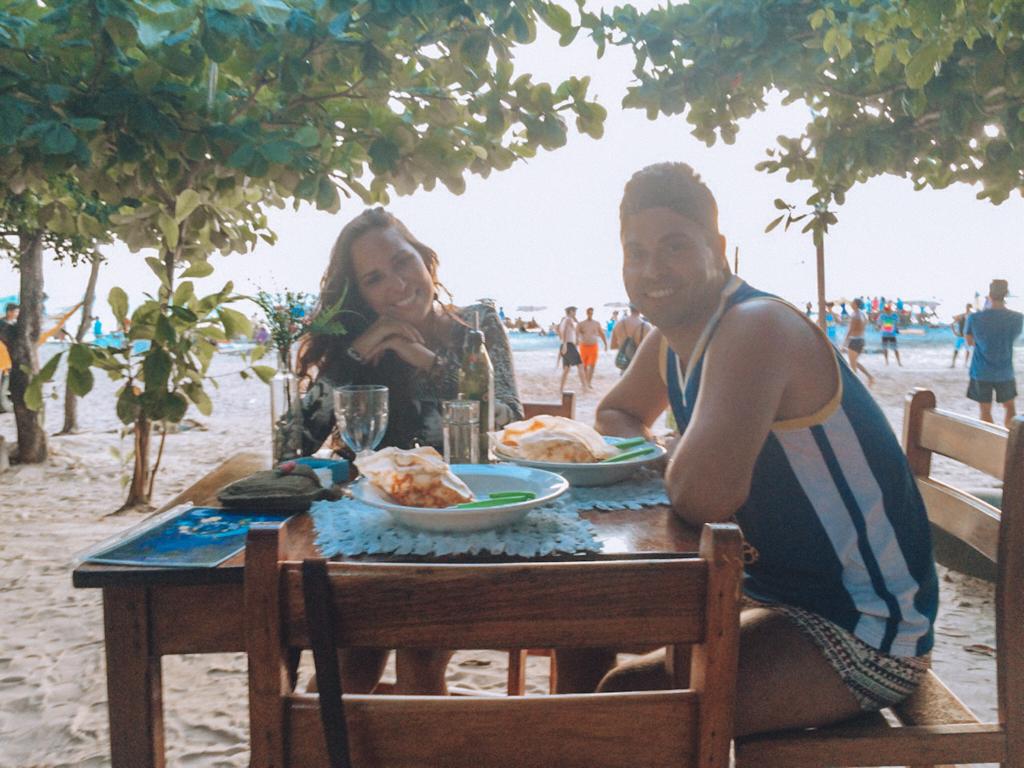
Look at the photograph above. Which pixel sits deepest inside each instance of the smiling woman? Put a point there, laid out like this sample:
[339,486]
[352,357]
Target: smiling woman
[401,335]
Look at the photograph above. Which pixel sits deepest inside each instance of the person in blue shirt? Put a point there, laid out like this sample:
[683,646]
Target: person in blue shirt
[779,434]
[97,327]
[991,333]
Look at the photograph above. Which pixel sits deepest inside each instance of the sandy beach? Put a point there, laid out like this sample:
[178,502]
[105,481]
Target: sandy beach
[52,684]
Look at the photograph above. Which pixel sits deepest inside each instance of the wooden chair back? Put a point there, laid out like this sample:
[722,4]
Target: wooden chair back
[692,600]
[933,726]
[565,408]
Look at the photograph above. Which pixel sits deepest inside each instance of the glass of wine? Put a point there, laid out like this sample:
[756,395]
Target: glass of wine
[362,415]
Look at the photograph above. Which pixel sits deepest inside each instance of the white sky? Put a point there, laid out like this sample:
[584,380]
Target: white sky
[546,231]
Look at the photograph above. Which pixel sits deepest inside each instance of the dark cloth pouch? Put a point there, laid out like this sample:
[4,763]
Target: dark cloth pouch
[290,489]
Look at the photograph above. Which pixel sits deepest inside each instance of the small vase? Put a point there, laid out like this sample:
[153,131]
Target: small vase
[285,411]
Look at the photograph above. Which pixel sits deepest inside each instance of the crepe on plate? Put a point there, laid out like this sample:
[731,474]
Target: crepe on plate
[417,477]
[554,439]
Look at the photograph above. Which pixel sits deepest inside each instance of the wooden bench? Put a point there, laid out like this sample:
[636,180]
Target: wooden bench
[933,727]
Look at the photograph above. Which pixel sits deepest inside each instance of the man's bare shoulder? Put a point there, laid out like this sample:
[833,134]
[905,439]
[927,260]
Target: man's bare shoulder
[764,324]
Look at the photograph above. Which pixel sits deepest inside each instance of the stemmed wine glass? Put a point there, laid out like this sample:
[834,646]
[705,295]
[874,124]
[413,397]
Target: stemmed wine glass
[361,411]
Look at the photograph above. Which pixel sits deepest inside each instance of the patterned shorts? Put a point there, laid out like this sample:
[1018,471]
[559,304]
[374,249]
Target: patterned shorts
[876,679]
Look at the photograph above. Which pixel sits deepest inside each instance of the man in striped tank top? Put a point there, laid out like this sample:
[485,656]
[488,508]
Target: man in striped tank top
[778,433]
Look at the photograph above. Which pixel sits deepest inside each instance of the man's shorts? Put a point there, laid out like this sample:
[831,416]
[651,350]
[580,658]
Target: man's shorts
[961,342]
[875,679]
[982,391]
[571,356]
[588,354]
[856,345]
[889,341]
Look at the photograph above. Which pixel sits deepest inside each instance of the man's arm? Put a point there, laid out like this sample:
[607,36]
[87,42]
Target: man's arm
[600,329]
[742,385]
[969,330]
[640,396]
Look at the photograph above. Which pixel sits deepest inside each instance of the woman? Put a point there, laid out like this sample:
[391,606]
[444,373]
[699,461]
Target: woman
[382,285]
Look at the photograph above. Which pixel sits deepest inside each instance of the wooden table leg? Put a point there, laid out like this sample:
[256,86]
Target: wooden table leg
[134,692]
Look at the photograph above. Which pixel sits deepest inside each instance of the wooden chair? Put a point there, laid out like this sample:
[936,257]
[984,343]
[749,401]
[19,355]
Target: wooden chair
[933,726]
[517,656]
[565,408]
[691,600]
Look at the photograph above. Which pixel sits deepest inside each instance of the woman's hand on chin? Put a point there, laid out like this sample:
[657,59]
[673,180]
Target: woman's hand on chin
[414,353]
[383,329]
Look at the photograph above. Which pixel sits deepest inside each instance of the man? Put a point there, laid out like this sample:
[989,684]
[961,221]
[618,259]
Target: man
[855,340]
[627,337]
[960,342]
[888,323]
[570,355]
[777,433]
[590,332]
[991,333]
[10,318]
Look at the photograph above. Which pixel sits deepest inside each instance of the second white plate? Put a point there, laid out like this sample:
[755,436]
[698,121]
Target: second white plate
[584,475]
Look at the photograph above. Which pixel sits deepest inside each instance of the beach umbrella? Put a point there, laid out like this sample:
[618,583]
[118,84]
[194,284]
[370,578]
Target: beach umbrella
[617,305]
[529,308]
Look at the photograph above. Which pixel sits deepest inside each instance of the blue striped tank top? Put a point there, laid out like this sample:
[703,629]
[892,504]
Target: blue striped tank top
[833,512]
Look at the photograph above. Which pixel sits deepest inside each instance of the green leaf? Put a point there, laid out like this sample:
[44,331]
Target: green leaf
[156,368]
[198,269]
[164,332]
[79,356]
[58,140]
[187,202]
[307,136]
[234,322]
[169,229]
[198,395]
[774,223]
[883,56]
[118,301]
[265,372]
[127,407]
[921,67]
[175,407]
[80,381]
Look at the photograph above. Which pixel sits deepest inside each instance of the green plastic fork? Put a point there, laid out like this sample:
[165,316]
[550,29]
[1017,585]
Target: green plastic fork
[498,498]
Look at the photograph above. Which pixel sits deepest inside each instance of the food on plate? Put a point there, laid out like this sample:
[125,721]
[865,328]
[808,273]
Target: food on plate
[552,438]
[414,478]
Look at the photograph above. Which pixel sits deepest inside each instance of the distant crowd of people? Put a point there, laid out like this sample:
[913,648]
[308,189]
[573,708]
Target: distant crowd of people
[581,340]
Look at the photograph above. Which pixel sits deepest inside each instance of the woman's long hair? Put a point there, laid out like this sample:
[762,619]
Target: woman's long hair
[327,354]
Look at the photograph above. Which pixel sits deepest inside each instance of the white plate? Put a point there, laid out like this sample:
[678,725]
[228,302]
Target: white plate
[482,479]
[591,474]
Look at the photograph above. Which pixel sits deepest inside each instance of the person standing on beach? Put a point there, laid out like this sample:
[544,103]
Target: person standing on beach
[570,355]
[991,333]
[888,323]
[9,320]
[960,342]
[854,342]
[590,332]
[779,435]
[627,336]
[611,322]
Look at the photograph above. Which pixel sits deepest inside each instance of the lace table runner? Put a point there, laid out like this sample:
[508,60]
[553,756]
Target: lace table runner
[349,527]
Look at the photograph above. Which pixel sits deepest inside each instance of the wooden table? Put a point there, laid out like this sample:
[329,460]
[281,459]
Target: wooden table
[153,612]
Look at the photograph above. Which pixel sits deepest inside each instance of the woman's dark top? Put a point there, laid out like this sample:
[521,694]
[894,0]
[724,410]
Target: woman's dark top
[415,399]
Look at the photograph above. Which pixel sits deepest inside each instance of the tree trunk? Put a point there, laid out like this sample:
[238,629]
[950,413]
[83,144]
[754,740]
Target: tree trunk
[70,399]
[138,490]
[822,319]
[24,350]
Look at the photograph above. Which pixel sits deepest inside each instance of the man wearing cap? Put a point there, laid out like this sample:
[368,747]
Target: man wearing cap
[569,353]
[991,333]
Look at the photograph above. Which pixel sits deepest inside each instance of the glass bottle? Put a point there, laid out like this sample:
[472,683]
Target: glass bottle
[285,411]
[476,382]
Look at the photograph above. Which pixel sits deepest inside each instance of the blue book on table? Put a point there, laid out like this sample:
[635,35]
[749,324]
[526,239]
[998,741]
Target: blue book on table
[190,537]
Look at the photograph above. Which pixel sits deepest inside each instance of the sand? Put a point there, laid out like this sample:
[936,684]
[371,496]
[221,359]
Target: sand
[52,683]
